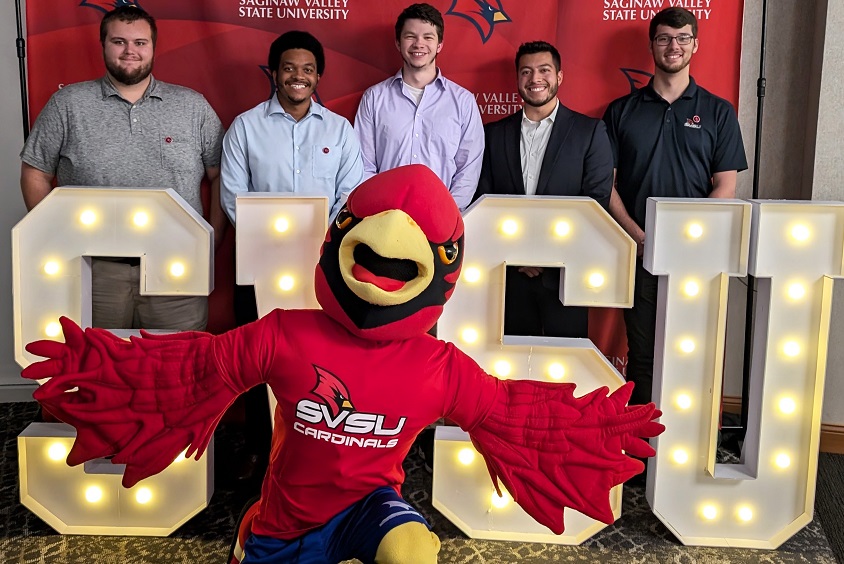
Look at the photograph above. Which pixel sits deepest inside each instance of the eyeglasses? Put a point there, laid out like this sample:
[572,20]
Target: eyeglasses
[665,40]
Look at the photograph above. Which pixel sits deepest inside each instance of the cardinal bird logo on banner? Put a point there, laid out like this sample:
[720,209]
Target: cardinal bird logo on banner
[483,15]
[109,5]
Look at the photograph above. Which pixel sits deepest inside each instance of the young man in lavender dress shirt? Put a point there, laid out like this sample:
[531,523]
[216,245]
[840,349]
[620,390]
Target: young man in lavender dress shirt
[419,116]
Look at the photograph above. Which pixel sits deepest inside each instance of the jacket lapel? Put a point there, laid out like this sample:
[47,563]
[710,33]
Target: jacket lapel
[559,132]
[512,152]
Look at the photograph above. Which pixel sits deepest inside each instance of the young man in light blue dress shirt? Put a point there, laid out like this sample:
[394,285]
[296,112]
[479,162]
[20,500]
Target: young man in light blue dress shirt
[289,143]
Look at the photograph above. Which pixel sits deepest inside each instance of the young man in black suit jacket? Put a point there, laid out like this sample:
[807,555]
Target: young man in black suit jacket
[545,149]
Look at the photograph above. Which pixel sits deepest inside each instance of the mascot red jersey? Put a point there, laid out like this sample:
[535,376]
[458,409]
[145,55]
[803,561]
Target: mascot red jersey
[356,382]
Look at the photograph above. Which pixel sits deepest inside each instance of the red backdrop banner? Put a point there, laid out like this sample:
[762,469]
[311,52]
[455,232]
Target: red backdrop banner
[219,48]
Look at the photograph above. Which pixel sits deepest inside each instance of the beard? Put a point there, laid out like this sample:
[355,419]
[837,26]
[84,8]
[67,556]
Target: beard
[552,93]
[672,68]
[129,77]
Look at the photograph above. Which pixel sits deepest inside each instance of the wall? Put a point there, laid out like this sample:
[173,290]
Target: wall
[12,387]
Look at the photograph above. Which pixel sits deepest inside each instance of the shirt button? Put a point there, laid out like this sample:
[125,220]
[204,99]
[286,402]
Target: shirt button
[134,120]
[297,171]
[297,147]
[417,135]
[414,156]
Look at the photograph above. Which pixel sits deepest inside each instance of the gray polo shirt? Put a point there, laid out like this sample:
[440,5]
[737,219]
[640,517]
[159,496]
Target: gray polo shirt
[87,135]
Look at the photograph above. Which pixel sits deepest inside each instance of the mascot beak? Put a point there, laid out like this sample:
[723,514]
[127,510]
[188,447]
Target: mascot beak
[386,259]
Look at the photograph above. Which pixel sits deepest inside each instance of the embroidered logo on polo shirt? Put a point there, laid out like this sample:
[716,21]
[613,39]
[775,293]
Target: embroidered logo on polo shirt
[693,122]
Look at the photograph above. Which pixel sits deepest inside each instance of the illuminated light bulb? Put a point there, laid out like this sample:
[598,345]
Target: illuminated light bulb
[562,228]
[800,232]
[788,405]
[140,219]
[500,501]
[143,495]
[681,456]
[783,460]
[181,457]
[791,348]
[93,494]
[466,456]
[509,227]
[745,513]
[53,329]
[687,345]
[684,401]
[596,280]
[469,335]
[177,269]
[472,274]
[796,291]
[695,230]
[286,283]
[502,368]
[281,224]
[710,512]
[691,288]
[88,217]
[57,452]
[51,268]
[556,371]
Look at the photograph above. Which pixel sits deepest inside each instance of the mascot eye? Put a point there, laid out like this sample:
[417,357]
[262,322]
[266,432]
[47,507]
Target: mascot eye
[448,253]
[343,219]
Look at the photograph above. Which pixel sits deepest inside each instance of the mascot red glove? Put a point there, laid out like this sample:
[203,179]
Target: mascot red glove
[356,382]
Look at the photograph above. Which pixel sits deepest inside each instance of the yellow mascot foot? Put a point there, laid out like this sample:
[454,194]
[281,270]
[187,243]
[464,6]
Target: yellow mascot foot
[409,543]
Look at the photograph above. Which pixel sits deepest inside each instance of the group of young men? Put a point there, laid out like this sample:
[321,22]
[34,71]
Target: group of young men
[669,138]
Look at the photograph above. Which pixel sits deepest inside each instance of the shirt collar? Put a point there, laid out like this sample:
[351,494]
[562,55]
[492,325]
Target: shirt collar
[108,89]
[651,95]
[441,80]
[550,118]
[275,108]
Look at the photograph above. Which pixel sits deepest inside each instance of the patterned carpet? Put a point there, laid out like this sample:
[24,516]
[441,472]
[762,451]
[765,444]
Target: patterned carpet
[636,538]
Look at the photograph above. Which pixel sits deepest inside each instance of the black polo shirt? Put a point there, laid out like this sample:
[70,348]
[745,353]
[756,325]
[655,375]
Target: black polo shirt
[671,150]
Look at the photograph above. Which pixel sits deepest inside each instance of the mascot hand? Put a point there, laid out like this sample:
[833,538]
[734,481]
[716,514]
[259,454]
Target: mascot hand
[142,401]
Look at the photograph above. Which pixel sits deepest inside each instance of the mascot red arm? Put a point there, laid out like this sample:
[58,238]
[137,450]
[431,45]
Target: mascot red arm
[356,381]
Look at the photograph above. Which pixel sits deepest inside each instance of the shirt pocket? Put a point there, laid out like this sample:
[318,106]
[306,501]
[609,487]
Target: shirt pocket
[176,153]
[443,137]
[325,160]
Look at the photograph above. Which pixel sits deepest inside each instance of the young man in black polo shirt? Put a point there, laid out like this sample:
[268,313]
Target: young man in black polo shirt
[671,138]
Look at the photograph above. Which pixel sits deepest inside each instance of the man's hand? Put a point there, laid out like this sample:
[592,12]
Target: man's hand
[531,271]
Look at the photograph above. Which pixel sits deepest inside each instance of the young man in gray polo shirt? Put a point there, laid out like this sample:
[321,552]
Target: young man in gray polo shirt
[128,129]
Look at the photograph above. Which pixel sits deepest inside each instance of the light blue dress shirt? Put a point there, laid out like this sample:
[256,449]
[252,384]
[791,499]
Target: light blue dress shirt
[444,132]
[266,150]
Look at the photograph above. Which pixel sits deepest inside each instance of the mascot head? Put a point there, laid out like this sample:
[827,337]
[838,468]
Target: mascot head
[392,255]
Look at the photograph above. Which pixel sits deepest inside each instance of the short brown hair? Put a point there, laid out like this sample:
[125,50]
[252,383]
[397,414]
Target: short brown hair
[424,12]
[127,14]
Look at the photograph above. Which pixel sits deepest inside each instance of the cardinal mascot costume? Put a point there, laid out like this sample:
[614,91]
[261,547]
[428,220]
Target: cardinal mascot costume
[356,382]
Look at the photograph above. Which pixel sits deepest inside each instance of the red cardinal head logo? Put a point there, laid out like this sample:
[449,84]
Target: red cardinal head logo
[109,5]
[482,14]
[332,392]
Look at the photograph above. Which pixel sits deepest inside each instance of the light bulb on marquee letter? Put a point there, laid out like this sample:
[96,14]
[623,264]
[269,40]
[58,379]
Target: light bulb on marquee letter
[794,266]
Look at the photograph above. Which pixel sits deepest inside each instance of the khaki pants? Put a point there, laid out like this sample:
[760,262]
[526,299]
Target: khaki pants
[118,304]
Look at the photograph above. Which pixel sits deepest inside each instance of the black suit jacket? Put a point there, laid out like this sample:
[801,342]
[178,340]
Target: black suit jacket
[578,160]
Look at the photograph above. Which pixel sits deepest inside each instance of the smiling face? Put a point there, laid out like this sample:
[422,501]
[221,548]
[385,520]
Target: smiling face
[128,51]
[296,78]
[418,44]
[672,58]
[539,79]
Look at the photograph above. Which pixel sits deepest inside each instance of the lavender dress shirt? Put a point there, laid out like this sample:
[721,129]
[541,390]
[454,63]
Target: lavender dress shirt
[444,132]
